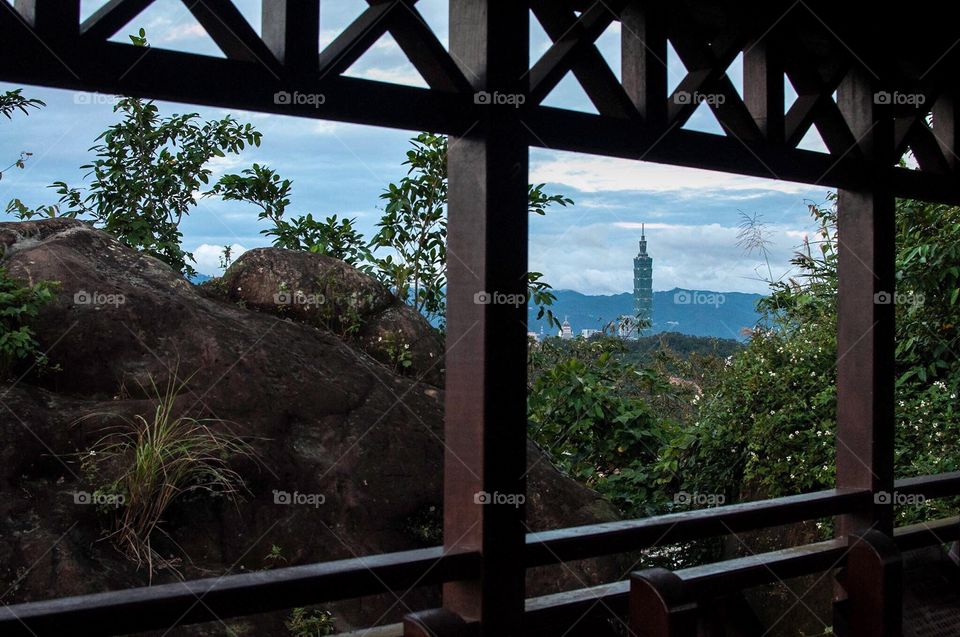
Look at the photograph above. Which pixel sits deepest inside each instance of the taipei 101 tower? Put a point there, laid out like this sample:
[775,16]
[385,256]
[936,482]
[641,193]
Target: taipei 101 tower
[643,282]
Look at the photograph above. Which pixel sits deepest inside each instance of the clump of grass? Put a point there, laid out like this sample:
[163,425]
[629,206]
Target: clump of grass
[156,459]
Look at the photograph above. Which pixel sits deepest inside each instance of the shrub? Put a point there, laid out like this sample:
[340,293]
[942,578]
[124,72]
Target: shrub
[151,461]
[18,304]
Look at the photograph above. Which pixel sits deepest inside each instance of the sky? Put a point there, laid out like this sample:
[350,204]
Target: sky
[691,216]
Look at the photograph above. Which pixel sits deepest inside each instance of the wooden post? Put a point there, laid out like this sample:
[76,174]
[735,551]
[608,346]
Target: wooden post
[865,326]
[485,428]
[763,87]
[946,128]
[643,49]
[51,18]
[874,575]
[291,29]
[659,605]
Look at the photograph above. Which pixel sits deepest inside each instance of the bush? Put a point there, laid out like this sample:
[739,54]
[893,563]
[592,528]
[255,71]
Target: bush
[18,304]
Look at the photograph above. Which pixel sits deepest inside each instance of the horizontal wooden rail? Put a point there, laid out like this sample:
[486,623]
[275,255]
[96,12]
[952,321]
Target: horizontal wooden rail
[159,607]
[581,542]
[588,606]
[935,486]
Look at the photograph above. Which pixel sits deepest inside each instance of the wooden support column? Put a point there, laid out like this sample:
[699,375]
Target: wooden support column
[644,60]
[865,326]
[763,87]
[946,129]
[291,29]
[660,606]
[485,426]
[874,583]
[58,19]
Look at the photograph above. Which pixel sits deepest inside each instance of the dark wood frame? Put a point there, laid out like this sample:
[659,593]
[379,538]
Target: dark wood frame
[821,47]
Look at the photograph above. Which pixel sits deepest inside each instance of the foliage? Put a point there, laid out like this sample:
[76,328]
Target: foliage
[307,623]
[146,172]
[413,232]
[586,408]
[10,103]
[263,187]
[768,418]
[413,229]
[149,462]
[13,101]
[18,304]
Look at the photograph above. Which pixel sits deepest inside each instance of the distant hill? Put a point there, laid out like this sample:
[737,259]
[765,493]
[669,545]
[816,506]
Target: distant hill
[693,312]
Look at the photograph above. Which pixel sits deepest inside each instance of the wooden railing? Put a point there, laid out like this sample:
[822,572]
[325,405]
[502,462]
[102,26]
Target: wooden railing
[158,607]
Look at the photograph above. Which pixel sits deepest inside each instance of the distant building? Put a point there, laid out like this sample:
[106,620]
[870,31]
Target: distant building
[643,282]
[587,332]
[566,331]
[535,337]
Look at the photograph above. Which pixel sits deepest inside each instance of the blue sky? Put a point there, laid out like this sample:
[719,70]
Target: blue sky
[691,216]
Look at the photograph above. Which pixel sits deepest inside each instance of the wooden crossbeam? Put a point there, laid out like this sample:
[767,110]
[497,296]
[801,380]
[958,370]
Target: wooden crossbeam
[354,41]
[111,17]
[51,18]
[224,23]
[708,78]
[291,29]
[425,51]
[591,70]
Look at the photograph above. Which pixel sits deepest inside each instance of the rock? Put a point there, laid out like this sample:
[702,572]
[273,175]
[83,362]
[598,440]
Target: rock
[325,292]
[324,417]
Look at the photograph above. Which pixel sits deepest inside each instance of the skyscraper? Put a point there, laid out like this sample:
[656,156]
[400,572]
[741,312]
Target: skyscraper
[643,282]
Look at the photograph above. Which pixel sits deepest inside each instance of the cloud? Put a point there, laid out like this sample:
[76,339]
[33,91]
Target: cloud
[400,74]
[207,257]
[606,174]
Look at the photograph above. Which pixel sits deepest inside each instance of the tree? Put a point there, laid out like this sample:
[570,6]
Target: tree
[146,172]
[263,187]
[10,103]
[413,232]
[767,421]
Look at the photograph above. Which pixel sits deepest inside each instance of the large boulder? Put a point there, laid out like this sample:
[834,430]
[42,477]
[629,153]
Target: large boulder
[324,417]
[327,293]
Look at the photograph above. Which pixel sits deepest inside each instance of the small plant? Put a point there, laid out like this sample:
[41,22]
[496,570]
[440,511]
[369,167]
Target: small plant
[226,257]
[310,623]
[154,460]
[275,556]
[398,351]
[17,304]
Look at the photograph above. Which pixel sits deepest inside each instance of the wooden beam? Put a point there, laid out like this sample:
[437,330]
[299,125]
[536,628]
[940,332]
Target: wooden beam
[574,41]
[354,41]
[51,18]
[643,50]
[227,27]
[865,326]
[425,51]
[946,128]
[107,21]
[590,69]
[485,430]
[763,87]
[291,30]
